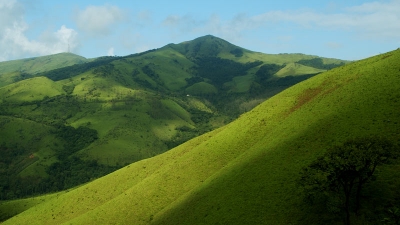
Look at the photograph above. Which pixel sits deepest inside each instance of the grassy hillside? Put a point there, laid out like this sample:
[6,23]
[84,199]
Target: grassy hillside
[246,171]
[133,107]
[32,89]
[41,64]
[12,71]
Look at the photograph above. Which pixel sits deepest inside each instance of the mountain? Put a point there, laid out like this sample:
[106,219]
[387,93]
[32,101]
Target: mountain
[246,172]
[65,126]
[12,71]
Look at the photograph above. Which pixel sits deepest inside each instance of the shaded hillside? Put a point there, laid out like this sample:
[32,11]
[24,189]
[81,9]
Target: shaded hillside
[207,46]
[246,171]
[136,107]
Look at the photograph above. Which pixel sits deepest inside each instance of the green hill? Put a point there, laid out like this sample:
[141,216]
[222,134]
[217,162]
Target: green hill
[101,114]
[246,172]
[15,70]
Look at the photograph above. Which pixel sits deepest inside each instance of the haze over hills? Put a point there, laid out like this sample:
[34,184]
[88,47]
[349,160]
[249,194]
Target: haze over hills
[66,120]
[246,172]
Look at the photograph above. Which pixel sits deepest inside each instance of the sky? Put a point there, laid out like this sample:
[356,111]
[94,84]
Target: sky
[343,29]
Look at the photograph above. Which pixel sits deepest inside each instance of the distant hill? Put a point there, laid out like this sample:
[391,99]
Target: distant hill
[246,172]
[15,70]
[94,116]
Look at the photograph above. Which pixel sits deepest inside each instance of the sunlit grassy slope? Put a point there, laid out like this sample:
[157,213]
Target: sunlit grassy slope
[294,69]
[244,172]
[41,64]
[11,71]
[30,90]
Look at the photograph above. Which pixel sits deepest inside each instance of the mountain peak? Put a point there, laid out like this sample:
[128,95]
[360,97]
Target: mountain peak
[207,45]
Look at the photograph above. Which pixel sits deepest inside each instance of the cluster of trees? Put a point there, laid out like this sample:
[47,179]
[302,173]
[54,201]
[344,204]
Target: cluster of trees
[73,171]
[67,172]
[22,76]
[192,80]
[319,64]
[74,70]
[278,84]
[220,71]
[266,72]
[237,52]
[74,139]
[337,179]
[152,74]
[62,175]
[185,133]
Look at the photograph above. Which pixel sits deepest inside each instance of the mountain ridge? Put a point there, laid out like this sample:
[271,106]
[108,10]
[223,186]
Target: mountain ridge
[245,172]
[112,111]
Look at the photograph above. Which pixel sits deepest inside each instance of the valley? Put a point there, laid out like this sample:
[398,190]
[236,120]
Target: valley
[134,107]
[200,132]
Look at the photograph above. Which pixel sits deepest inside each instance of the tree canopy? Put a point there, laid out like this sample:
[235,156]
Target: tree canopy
[344,170]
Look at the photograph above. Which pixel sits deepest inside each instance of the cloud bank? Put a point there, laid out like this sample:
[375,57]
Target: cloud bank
[377,20]
[99,20]
[15,43]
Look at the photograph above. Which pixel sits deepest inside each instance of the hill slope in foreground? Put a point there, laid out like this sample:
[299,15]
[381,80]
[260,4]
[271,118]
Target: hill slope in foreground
[246,171]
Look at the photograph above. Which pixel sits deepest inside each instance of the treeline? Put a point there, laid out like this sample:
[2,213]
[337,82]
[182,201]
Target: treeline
[266,72]
[74,70]
[67,172]
[49,110]
[75,139]
[220,71]
[62,175]
[237,52]
[185,133]
[264,80]
[319,64]
[152,74]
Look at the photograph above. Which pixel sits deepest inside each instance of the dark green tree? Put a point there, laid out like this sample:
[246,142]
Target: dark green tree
[344,170]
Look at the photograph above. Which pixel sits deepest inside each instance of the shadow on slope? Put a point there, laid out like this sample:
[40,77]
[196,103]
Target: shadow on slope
[260,187]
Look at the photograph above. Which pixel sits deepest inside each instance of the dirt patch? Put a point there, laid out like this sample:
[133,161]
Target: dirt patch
[305,97]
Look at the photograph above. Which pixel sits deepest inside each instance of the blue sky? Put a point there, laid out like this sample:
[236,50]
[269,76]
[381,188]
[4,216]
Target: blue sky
[344,29]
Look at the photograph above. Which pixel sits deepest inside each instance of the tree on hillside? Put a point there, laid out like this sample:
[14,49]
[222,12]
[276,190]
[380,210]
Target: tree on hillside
[344,170]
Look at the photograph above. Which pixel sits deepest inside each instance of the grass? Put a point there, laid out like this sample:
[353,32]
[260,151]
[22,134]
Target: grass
[294,69]
[30,90]
[11,208]
[244,172]
[134,119]
[201,88]
[41,64]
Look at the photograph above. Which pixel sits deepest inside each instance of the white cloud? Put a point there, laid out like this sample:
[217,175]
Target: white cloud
[334,45]
[110,51]
[378,20]
[371,20]
[14,42]
[99,20]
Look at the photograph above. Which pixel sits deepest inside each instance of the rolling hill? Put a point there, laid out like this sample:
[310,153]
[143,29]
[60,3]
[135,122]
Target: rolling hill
[246,172]
[15,70]
[97,115]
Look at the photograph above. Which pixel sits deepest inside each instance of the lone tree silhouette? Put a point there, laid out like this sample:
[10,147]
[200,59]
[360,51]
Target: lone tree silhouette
[344,170]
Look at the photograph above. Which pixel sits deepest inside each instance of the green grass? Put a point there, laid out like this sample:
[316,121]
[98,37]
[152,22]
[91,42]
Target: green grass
[41,64]
[30,90]
[201,88]
[245,172]
[294,69]
[11,208]
[138,104]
